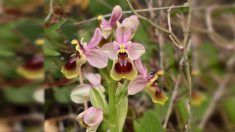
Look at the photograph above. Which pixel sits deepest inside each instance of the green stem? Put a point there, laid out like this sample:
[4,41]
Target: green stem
[112,108]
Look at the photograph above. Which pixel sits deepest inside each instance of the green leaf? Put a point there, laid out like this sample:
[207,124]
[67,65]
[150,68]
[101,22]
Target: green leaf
[6,53]
[229,109]
[50,52]
[148,122]
[50,49]
[121,101]
[62,94]
[30,29]
[161,110]
[182,111]
[19,95]
[199,110]
[55,26]
[98,99]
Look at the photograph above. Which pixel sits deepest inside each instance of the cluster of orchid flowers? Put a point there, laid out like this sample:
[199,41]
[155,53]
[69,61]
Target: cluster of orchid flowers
[125,55]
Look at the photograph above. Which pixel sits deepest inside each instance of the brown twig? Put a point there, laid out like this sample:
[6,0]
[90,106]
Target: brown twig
[215,37]
[129,12]
[173,97]
[176,42]
[81,83]
[218,94]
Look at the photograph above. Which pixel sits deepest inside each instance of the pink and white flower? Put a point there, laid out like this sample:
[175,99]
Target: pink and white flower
[123,51]
[80,94]
[107,26]
[85,52]
[145,80]
[132,23]
[91,119]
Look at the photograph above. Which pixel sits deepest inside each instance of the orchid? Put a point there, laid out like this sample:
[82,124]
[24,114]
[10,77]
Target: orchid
[80,94]
[107,26]
[33,68]
[145,80]
[85,52]
[132,23]
[123,51]
[197,98]
[90,119]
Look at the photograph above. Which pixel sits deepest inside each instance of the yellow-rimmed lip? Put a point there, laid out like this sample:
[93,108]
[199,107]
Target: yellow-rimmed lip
[79,47]
[123,65]
[157,95]
[153,76]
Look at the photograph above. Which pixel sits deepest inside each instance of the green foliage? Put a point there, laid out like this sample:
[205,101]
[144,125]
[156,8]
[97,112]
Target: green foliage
[229,110]
[21,95]
[30,29]
[62,94]
[55,26]
[149,122]
[161,110]
[182,111]
[121,104]
[50,49]
[98,99]
[199,110]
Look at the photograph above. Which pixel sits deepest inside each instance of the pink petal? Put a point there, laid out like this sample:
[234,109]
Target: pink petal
[93,116]
[94,79]
[95,39]
[105,23]
[135,50]
[142,69]
[123,34]
[96,58]
[137,85]
[116,15]
[131,22]
[109,50]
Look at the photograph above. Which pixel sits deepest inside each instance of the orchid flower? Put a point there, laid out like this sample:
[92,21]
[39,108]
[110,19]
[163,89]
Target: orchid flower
[107,26]
[33,68]
[197,98]
[132,23]
[123,51]
[90,119]
[85,52]
[149,81]
[80,94]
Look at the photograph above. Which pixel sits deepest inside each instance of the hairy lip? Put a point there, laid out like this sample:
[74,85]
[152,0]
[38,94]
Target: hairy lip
[123,65]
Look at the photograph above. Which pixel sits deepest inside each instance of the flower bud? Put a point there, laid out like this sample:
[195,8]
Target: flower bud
[80,94]
[91,118]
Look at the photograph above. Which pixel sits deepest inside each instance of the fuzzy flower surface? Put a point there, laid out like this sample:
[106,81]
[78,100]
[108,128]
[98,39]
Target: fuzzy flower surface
[85,52]
[123,52]
[91,119]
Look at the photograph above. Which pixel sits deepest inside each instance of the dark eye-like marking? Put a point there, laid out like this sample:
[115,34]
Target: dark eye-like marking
[123,65]
[34,63]
[71,64]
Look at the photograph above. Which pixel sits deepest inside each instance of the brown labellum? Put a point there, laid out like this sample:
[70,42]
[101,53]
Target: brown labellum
[123,66]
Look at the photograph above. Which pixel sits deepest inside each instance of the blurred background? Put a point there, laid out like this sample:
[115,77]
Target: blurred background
[35,38]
